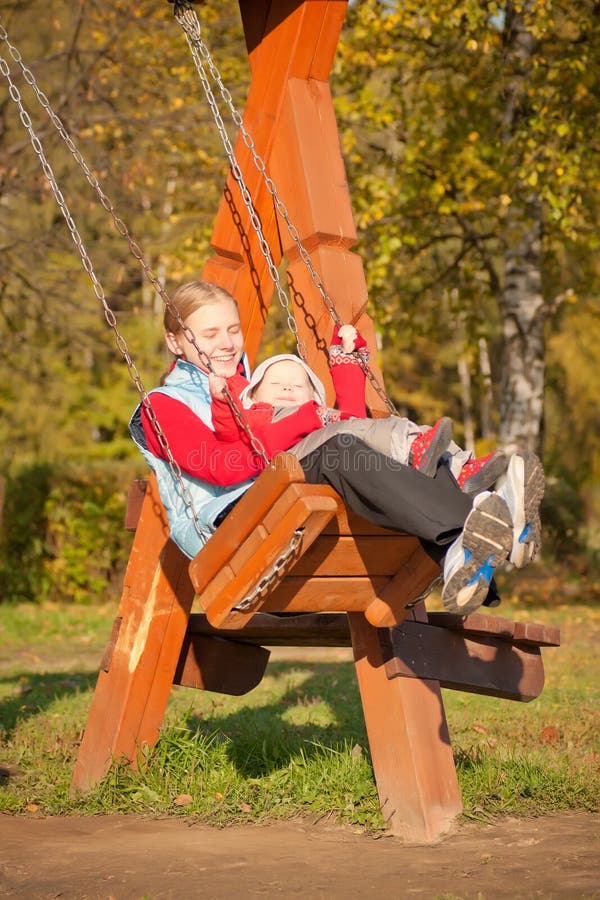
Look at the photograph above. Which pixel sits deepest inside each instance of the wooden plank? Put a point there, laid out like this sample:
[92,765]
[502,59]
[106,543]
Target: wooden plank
[312,594]
[243,519]
[391,605]
[409,740]
[349,522]
[133,687]
[480,666]
[135,501]
[479,623]
[309,513]
[294,40]
[352,556]
[216,664]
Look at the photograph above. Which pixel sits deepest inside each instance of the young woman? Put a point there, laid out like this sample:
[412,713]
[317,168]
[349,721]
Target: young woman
[471,536]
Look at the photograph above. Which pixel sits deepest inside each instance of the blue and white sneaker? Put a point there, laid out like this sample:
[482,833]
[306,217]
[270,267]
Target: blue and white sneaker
[485,542]
[522,488]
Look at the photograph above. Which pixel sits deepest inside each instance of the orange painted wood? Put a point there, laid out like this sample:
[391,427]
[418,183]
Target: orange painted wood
[244,518]
[131,695]
[308,513]
[312,594]
[331,555]
[414,577]
[312,174]
[285,40]
[409,740]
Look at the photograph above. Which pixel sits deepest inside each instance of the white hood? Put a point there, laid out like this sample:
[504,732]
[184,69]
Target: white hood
[259,373]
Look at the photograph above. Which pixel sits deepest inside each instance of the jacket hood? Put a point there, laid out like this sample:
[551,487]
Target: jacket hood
[259,373]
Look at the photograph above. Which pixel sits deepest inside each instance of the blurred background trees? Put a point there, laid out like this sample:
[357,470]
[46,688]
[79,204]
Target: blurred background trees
[470,133]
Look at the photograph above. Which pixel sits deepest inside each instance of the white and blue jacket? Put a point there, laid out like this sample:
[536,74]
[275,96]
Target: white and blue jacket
[188,384]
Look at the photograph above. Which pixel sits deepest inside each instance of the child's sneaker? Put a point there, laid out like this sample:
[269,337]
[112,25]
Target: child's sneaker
[522,487]
[480,473]
[485,542]
[429,446]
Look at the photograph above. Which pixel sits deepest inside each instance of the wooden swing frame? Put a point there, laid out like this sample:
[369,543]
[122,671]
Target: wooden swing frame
[339,563]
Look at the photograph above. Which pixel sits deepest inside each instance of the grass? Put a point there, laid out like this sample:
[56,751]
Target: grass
[297,744]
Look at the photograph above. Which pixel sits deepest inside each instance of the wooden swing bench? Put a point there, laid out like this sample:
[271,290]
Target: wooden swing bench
[403,657]
[288,547]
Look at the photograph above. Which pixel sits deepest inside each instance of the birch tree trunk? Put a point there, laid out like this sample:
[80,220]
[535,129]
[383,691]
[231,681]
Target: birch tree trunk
[523,314]
[521,301]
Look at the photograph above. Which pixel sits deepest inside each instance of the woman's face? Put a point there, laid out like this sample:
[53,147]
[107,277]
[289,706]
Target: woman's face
[218,333]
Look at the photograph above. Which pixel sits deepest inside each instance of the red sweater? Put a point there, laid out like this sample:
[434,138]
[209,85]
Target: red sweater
[200,452]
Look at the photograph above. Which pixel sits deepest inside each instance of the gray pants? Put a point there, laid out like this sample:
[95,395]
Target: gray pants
[392,436]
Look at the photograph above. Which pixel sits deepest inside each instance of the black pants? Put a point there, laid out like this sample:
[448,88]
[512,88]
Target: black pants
[389,494]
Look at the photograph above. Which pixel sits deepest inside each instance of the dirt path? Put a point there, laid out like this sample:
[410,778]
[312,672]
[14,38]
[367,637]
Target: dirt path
[130,858]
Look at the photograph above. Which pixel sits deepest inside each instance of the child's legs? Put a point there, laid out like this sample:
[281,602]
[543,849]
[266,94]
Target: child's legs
[374,432]
[455,458]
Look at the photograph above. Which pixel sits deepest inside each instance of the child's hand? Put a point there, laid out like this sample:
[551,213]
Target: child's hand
[216,385]
[348,335]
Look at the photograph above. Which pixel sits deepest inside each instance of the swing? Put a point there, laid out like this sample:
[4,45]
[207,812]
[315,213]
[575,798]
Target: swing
[288,546]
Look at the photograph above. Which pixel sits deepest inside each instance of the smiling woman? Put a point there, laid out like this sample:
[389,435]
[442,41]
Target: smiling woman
[218,337]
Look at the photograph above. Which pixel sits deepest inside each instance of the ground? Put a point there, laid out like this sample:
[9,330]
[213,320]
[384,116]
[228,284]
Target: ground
[130,858]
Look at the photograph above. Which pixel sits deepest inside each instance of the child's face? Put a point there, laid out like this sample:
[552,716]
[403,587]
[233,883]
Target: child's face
[285,383]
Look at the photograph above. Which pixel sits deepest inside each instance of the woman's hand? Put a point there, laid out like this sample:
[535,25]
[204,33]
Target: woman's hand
[348,335]
[216,386]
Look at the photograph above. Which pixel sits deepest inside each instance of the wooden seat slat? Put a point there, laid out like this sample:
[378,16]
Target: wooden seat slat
[309,513]
[244,518]
[354,555]
[329,594]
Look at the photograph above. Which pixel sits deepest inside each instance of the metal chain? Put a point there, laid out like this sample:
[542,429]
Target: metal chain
[188,19]
[279,568]
[109,315]
[135,249]
[187,23]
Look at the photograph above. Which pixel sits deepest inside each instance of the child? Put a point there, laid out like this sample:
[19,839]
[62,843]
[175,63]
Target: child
[285,382]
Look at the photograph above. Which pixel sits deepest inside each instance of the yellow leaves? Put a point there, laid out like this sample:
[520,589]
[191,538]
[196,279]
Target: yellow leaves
[505,200]
[473,136]
[472,45]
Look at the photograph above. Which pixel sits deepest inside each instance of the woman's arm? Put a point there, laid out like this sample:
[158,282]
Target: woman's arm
[199,452]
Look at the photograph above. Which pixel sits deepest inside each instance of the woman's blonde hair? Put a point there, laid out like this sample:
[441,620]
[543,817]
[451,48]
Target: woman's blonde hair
[190,297]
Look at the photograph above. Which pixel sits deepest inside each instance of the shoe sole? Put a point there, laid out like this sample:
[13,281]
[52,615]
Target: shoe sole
[488,536]
[526,469]
[485,478]
[429,461]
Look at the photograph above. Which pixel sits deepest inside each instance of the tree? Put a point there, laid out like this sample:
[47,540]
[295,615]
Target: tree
[121,78]
[469,134]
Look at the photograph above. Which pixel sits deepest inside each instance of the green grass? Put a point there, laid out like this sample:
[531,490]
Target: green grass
[297,744]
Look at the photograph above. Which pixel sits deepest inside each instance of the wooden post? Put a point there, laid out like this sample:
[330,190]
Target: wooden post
[140,661]
[289,114]
[409,741]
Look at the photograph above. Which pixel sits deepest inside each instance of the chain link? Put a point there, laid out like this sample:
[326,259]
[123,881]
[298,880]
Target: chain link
[191,27]
[137,253]
[188,19]
[279,568]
